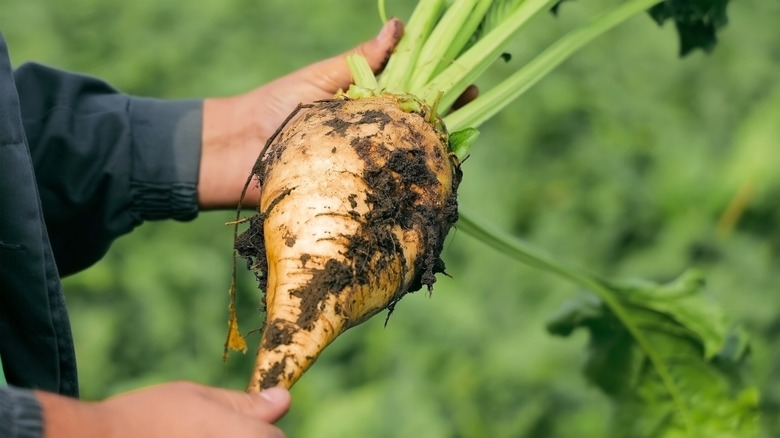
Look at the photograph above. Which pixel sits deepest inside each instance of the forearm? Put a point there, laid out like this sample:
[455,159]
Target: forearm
[105,161]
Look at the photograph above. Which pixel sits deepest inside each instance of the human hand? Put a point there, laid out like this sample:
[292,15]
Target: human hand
[180,409]
[235,129]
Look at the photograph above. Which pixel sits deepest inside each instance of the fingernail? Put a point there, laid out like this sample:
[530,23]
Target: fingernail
[275,395]
[390,31]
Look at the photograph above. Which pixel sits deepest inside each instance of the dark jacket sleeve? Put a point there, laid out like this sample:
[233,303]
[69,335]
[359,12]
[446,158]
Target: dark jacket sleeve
[20,414]
[105,161]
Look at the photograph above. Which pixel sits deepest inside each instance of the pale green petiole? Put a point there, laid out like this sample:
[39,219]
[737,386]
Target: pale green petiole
[434,37]
[446,30]
[400,67]
[494,100]
[472,63]
[464,34]
[431,35]
[362,75]
[382,11]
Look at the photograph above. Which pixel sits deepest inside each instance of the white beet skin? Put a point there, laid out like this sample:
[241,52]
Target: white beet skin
[357,198]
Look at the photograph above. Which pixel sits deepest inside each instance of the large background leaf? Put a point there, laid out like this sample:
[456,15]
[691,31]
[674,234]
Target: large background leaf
[710,394]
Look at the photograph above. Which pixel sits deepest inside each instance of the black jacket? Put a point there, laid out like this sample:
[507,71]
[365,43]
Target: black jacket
[80,165]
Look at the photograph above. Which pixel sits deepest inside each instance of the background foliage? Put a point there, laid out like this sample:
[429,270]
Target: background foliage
[624,161]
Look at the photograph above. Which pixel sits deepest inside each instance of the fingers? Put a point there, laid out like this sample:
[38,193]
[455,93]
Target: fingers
[333,74]
[467,96]
[276,403]
[269,405]
[379,49]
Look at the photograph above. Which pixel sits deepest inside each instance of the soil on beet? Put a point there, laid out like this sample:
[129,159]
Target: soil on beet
[400,193]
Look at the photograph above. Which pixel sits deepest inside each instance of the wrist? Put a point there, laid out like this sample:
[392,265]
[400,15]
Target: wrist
[230,145]
[65,417]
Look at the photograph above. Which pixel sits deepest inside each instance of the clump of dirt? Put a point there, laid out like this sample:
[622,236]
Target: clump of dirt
[402,191]
[251,245]
[278,332]
[274,374]
[330,280]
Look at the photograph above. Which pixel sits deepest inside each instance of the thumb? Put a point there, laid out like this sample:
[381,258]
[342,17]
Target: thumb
[379,49]
[269,405]
[333,74]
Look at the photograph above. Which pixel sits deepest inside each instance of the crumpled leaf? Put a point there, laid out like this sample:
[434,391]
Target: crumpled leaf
[235,340]
[682,301]
[697,21]
[707,363]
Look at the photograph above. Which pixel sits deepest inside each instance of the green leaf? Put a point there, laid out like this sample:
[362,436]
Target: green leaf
[460,142]
[681,301]
[717,395]
[697,21]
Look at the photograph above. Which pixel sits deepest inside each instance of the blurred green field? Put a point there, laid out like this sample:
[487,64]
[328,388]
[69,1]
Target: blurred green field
[624,160]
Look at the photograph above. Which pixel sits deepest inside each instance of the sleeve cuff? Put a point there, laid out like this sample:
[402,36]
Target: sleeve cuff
[166,150]
[20,414]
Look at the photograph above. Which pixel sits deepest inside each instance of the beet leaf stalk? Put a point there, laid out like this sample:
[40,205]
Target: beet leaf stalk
[448,45]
